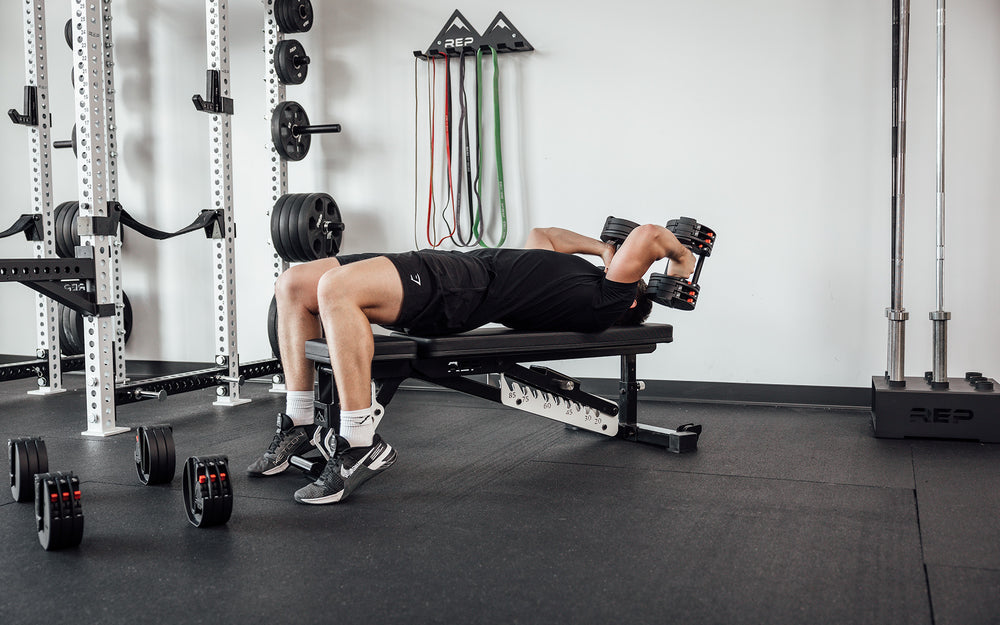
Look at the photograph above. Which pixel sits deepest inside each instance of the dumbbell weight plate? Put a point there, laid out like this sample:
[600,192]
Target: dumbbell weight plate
[672,292]
[208,491]
[690,233]
[284,62]
[155,459]
[293,16]
[616,230]
[286,116]
[58,511]
[28,456]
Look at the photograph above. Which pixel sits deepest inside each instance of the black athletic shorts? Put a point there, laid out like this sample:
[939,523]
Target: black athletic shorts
[441,289]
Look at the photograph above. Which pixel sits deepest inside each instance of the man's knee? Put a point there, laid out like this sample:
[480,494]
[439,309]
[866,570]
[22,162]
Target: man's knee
[299,283]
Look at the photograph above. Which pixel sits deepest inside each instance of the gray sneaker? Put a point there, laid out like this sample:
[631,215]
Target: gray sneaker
[289,440]
[349,468]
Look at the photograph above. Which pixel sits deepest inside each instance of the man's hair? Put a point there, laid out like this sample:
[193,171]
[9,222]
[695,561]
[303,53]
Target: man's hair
[637,315]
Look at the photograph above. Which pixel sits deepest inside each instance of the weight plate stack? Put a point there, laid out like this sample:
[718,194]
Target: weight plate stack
[616,230]
[208,491]
[293,16]
[67,236]
[155,459]
[71,341]
[28,457]
[58,512]
[306,226]
[286,116]
[290,62]
[700,239]
[672,292]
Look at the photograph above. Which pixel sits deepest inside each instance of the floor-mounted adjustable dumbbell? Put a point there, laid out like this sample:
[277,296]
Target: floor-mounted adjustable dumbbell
[28,456]
[208,491]
[58,511]
[681,293]
[291,131]
[155,457]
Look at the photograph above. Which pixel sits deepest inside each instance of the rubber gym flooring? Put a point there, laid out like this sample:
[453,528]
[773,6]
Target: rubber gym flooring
[783,515]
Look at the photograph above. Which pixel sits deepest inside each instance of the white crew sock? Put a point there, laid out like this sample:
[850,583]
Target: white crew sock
[357,426]
[299,407]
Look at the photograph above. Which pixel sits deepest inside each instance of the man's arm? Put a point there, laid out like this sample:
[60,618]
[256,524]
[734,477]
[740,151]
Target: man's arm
[644,246]
[569,242]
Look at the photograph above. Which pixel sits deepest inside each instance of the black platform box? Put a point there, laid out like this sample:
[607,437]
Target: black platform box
[916,410]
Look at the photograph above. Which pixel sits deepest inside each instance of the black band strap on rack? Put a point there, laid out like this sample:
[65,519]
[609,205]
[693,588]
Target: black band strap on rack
[208,220]
[28,224]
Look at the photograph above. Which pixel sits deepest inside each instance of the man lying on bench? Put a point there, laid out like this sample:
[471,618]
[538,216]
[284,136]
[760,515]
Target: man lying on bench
[541,287]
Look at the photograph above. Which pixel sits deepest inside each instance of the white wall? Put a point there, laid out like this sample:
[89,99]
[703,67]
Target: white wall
[769,121]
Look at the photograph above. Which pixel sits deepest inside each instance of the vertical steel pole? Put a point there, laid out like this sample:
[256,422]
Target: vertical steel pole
[100,332]
[939,317]
[896,313]
[221,155]
[40,148]
[112,177]
[279,168]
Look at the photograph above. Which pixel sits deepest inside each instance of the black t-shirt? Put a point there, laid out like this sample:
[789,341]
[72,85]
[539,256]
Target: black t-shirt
[546,290]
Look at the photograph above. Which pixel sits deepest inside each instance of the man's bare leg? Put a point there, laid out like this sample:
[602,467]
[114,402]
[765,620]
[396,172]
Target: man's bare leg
[351,298]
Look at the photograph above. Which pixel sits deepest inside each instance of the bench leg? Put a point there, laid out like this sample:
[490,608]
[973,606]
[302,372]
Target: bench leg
[681,440]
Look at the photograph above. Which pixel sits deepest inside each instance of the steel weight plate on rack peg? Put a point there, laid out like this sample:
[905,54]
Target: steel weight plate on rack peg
[208,491]
[293,16]
[58,512]
[287,118]
[290,220]
[155,459]
[291,63]
[64,223]
[71,325]
[320,227]
[28,457]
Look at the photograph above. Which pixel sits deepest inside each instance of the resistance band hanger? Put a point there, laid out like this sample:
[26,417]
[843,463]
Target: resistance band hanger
[479,226]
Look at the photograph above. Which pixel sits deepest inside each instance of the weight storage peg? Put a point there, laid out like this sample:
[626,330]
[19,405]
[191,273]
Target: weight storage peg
[290,62]
[71,143]
[290,130]
[28,457]
[306,226]
[155,460]
[58,513]
[208,492]
[293,16]
[673,291]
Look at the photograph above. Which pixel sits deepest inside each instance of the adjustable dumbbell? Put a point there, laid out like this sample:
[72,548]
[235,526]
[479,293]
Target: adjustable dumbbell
[208,491]
[680,293]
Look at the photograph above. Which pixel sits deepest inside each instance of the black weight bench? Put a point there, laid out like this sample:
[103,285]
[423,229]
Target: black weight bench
[448,361]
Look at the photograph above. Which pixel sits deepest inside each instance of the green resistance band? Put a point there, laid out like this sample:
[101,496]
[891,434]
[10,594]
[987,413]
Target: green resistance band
[499,152]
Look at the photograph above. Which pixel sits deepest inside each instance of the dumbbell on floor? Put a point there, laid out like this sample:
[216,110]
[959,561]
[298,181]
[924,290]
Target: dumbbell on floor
[680,293]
